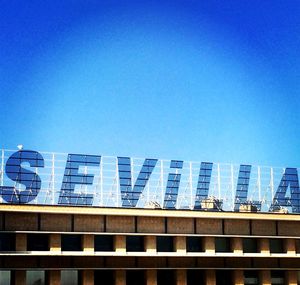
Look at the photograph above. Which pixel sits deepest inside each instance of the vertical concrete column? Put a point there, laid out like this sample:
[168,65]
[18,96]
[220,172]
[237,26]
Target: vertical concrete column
[291,277]
[54,277]
[180,244]
[150,244]
[238,277]
[88,243]
[87,277]
[55,242]
[21,242]
[209,244]
[265,277]
[120,277]
[264,246]
[151,277]
[120,244]
[237,245]
[19,277]
[210,277]
[181,277]
[290,246]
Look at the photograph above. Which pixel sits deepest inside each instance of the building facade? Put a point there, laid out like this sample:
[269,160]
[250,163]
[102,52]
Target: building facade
[116,246]
[77,219]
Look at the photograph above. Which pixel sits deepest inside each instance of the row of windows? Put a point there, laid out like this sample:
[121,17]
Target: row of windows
[138,277]
[40,277]
[69,242]
[250,245]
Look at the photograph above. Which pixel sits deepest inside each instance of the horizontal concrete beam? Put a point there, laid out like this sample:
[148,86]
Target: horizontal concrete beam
[146,262]
[146,212]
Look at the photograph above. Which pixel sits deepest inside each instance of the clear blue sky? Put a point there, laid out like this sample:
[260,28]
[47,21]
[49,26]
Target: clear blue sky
[211,81]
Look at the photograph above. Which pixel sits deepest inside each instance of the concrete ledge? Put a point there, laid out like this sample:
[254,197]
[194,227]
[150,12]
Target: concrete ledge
[145,212]
[122,253]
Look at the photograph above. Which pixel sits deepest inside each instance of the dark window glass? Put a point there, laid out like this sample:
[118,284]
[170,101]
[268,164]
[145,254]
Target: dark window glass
[250,245]
[104,243]
[165,277]
[195,277]
[135,277]
[164,244]
[222,244]
[71,243]
[134,243]
[277,277]
[105,277]
[276,246]
[251,277]
[7,242]
[37,242]
[194,244]
[297,241]
[223,277]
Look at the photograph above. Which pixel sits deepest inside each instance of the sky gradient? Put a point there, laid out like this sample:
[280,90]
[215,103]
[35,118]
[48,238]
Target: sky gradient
[213,81]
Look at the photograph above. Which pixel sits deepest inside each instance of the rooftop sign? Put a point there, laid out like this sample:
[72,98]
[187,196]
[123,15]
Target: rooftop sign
[32,177]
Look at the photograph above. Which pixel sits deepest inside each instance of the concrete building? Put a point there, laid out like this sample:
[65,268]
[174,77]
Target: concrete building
[93,245]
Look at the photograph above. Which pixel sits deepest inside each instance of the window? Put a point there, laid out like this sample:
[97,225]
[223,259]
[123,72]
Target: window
[164,244]
[251,277]
[69,277]
[297,242]
[104,243]
[223,277]
[104,277]
[298,277]
[135,277]
[7,242]
[134,243]
[250,245]
[277,277]
[276,246]
[37,242]
[71,243]
[35,277]
[165,277]
[195,277]
[5,277]
[222,244]
[194,244]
